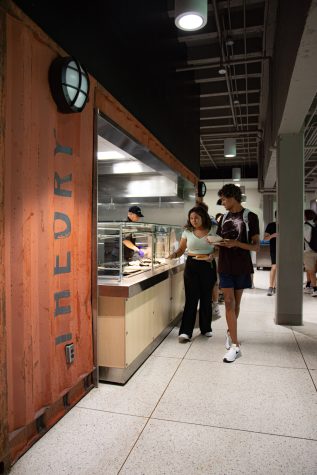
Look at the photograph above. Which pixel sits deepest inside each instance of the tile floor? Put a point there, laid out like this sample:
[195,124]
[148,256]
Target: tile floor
[186,412]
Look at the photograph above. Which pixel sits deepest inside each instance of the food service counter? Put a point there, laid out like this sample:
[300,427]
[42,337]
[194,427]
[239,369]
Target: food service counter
[134,316]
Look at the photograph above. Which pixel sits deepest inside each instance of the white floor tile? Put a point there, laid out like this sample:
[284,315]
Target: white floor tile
[314,376]
[140,394]
[166,448]
[83,442]
[255,416]
[308,346]
[170,346]
[258,348]
[256,398]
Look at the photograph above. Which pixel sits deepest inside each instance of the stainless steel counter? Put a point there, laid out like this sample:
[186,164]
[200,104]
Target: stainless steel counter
[130,286]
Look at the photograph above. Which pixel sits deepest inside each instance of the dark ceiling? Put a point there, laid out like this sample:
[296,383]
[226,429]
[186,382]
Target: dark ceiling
[238,38]
[170,81]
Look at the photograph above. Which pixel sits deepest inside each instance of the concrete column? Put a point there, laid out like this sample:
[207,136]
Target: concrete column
[290,204]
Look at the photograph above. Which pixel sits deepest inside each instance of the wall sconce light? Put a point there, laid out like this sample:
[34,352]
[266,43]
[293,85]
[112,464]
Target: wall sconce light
[236,174]
[191,15]
[230,147]
[69,83]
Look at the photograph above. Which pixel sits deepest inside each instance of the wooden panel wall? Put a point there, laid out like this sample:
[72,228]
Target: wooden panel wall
[48,214]
[3,343]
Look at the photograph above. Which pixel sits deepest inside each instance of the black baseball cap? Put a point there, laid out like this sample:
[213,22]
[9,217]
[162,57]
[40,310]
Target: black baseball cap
[136,210]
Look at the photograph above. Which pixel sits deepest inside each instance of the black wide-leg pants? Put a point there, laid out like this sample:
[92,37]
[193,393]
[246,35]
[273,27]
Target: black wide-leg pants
[199,279]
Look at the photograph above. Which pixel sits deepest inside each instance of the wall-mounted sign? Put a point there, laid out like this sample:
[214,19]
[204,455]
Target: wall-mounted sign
[69,83]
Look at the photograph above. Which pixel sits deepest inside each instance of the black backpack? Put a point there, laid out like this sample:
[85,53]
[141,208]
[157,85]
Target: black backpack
[313,239]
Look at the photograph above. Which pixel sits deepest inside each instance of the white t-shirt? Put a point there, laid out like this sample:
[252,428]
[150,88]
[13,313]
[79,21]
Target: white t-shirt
[307,235]
[196,245]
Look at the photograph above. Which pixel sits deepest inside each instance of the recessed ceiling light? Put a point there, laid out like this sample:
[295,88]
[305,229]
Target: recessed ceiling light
[191,15]
[229,41]
[110,155]
[222,69]
[190,22]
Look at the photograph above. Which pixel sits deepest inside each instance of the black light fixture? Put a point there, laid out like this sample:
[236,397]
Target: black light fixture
[69,83]
[201,189]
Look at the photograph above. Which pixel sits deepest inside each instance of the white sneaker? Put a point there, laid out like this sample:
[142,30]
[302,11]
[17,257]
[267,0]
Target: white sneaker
[314,294]
[308,290]
[228,341]
[207,334]
[183,338]
[215,310]
[233,353]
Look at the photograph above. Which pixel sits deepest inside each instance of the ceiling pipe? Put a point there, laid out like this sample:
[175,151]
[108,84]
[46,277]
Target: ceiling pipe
[228,62]
[208,154]
[223,61]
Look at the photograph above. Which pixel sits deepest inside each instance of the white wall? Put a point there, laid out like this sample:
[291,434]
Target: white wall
[310,201]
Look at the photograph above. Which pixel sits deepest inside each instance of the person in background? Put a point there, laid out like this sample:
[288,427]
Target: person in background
[235,264]
[310,256]
[270,234]
[199,273]
[134,215]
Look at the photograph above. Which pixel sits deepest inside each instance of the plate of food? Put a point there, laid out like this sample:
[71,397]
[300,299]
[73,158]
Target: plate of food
[201,257]
[214,239]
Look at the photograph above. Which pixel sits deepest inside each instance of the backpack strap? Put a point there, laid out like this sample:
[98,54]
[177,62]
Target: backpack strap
[246,212]
[224,217]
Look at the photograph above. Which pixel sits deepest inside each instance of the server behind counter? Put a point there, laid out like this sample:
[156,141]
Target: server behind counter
[129,247]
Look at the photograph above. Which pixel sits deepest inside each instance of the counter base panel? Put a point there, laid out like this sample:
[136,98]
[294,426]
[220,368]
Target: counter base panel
[122,375]
[129,329]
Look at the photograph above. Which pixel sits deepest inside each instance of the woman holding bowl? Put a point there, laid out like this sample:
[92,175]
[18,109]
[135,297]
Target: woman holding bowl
[199,274]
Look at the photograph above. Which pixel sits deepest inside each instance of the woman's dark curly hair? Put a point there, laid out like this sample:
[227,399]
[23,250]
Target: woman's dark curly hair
[230,191]
[205,218]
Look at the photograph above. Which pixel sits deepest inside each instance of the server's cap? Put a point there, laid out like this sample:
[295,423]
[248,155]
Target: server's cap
[136,210]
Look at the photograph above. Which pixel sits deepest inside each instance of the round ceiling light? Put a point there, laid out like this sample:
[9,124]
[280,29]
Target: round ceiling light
[190,15]
[229,41]
[222,69]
